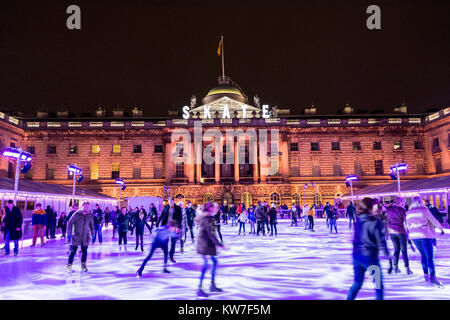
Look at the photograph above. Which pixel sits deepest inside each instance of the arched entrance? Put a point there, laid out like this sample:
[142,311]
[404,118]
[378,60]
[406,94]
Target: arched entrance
[247,199]
[296,199]
[227,199]
[275,198]
[208,197]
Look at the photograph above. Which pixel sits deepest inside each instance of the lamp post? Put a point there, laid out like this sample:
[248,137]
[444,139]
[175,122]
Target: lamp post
[395,173]
[122,186]
[304,195]
[71,168]
[349,182]
[20,156]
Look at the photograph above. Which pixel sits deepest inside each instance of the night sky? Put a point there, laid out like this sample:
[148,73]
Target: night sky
[156,54]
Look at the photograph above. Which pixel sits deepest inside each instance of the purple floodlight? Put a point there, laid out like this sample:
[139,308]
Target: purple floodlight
[16,154]
[120,181]
[399,167]
[74,169]
[351,177]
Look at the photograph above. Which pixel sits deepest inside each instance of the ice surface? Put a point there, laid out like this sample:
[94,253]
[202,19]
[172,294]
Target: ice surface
[298,264]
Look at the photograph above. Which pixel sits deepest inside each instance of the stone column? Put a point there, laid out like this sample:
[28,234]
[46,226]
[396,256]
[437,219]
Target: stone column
[254,150]
[198,162]
[190,165]
[263,167]
[236,160]
[284,159]
[168,164]
[217,161]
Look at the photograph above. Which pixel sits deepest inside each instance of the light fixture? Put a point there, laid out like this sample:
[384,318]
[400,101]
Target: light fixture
[74,169]
[26,168]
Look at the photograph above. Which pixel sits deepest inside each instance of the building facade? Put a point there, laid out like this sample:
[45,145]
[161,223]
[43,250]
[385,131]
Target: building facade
[314,152]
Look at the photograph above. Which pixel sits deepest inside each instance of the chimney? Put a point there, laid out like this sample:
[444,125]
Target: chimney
[403,108]
[42,112]
[100,112]
[348,109]
[136,112]
[310,110]
[117,112]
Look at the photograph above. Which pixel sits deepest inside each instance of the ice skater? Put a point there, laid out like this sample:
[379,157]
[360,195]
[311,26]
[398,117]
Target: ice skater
[161,240]
[305,214]
[207,243]
[332,218]
[123,224]
[243,217]
[293,215]
[138,227]
[82,226]
[273,219]
[368,240]
[351,213]
[251,219]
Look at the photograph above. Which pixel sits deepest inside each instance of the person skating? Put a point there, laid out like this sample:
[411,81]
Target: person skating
[421,225]
[218,225]
[161,240]
[123,225]
[351,213]
[251,219]
[327,210]
[273,219]
[138,227]
[107,216]
[39,222]
[369,239]
[207,243]
[62,224]
[182,227]
[51,222]
[190,216]
[12,224]
[305,214]
[331,218]
[243,217]
[98,217]
[395,226]
[81,225]
[293,213]
[259,216]
[114,215]
[224,210]
[311,218]
[171,212]
[266,216]
[233,215]
[153,213]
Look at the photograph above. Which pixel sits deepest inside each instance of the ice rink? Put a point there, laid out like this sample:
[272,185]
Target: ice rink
[298,264]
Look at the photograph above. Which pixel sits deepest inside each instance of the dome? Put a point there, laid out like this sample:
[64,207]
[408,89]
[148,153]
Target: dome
[225,88]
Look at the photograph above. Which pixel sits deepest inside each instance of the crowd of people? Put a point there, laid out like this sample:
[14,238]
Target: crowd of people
[373,221]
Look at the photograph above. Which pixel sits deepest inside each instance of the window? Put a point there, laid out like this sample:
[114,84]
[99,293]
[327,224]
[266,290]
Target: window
[158,148]
[275,198]
[274,168]
[95,149]
[357,168]
[437,162]
[137,148]
[316,170]
[295,171]
[157,171]
[179,169]
[315,146]
[337,169]
[30,150]
[398,145]
[115,171]
[136,172]
[180,148]
[10,170]
[377,145]
[73,149]
[356,145]
[294,146]
[116,148]
[335,146]
[12,144]
[49,173]
[379,167]
[435,146]
[51,149]
[94,171]
[418,145]
[296,199]
[420,167]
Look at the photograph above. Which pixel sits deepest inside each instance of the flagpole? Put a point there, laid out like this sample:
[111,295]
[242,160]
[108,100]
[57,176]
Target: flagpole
[223,63]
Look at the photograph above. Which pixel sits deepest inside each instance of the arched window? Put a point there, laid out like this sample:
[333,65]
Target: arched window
[296,199]
[208,197]
[275,198]
[246,198]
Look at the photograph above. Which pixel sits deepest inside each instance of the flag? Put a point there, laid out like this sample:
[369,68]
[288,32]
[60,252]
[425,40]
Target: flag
[219,50]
